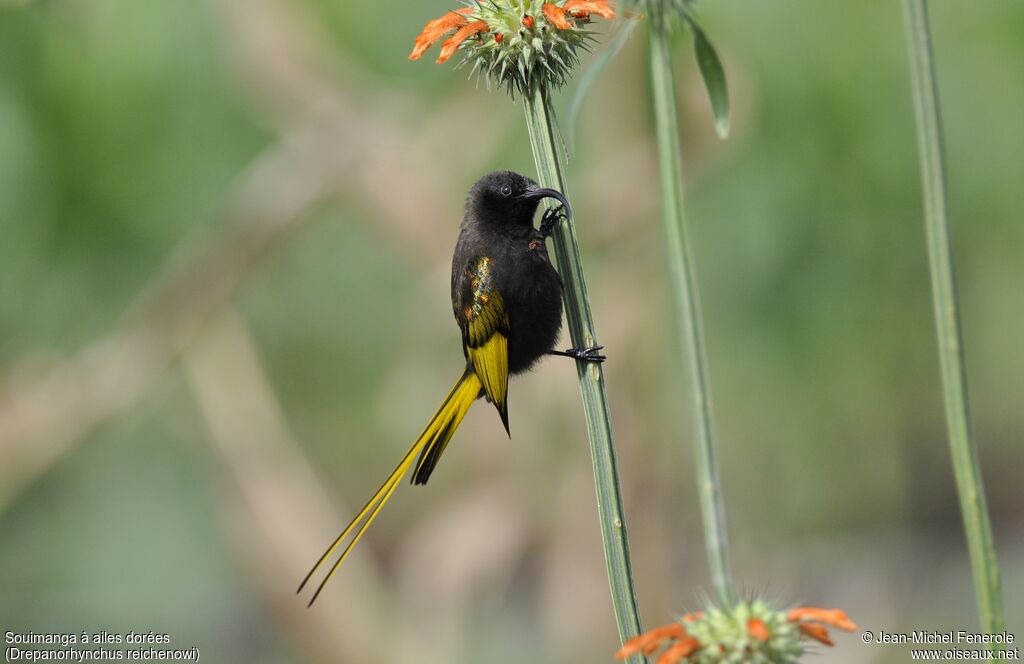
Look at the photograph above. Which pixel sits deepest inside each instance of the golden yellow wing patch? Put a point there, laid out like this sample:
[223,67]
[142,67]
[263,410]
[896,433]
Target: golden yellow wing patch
[490,362]
[485,336]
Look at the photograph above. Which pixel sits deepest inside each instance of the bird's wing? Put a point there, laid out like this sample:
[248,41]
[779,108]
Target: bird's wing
[485,330]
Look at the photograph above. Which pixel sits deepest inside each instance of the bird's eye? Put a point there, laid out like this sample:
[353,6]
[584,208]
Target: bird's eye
[506,191]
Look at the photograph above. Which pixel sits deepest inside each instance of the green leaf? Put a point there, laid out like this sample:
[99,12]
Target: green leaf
[714,78]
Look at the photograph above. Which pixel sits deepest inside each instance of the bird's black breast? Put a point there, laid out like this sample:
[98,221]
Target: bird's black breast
[530,289]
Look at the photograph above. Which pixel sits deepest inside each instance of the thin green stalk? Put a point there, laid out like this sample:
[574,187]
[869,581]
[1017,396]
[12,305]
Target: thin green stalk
[688,317]
[977,525]
[595,399]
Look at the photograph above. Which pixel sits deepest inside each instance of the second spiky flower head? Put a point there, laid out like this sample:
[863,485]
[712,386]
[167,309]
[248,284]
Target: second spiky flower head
[518,44]
[752,632]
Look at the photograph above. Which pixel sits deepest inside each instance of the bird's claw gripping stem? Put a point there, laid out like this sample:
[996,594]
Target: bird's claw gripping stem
[550,218]
[586,354]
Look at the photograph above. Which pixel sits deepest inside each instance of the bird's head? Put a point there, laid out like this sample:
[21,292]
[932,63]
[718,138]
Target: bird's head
[508,198]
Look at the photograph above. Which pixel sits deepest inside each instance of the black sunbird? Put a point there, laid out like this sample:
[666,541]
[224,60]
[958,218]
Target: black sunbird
[507,300]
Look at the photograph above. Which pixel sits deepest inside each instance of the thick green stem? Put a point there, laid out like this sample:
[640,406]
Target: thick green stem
[687,308]
[977,525]
[595,399]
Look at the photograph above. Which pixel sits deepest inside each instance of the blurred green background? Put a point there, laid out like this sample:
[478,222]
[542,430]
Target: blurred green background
[225,235]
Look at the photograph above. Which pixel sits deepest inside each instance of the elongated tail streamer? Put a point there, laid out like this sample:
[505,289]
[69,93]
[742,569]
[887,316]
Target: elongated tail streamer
[429,446]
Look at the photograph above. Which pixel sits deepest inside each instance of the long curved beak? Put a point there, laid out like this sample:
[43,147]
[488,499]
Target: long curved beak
[541,192]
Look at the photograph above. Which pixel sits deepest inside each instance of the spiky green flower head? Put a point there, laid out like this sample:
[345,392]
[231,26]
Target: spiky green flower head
[521,45]
[751,632]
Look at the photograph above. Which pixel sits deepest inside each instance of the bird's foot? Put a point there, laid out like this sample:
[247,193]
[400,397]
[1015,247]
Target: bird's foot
[550,219]
[586,354]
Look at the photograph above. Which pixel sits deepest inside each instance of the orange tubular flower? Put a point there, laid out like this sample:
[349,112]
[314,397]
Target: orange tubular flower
[835,617]
[436,29]
[599,7]
[451,44]
[817,632]
[758,629]
[808,617]
[680,651]
[556,16]
[650,641]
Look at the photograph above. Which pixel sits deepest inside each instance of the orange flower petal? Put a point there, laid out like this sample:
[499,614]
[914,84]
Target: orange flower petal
[816,632]
[628,648]
[631,647]
[835,617]
[659,635]
[555,16]
[679,651]
[436,29]
[599,7]
[651,647]
[663,634]
[757,629]
[692,617]
[651,640]
[451,44]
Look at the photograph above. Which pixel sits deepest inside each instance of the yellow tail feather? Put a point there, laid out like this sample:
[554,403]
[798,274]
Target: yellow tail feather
[429,446]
